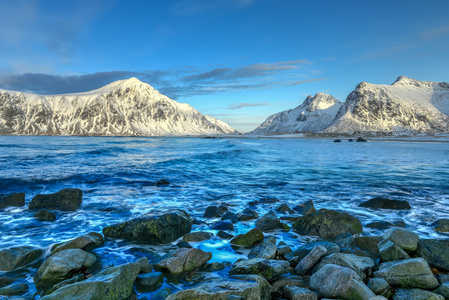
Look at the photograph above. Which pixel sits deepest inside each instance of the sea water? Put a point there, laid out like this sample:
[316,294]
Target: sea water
[118,174]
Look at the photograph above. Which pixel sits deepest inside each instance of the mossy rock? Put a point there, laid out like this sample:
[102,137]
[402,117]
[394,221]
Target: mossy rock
[248,239]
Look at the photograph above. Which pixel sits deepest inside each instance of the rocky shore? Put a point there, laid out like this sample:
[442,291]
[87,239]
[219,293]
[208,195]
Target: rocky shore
[339,262]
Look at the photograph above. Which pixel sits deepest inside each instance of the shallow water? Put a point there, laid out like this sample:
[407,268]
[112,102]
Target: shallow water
[117,176]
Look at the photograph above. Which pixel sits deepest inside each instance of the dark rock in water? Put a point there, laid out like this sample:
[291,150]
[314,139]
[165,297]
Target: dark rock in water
[152,228]
[435,252]
[4,281]
[310,260]
[16,257]
[328,224]
[404,238]
[149,280]
[408,273]
[45,215]
[111,283]
[286,280]
[230,216]
[87,242]
[337,141]
[386,204]
[283,250]
[184,260]
[248,214]
[224,235]
[235,287]
[269,269]
[197,236]
[415,294]
[350,140]
[16,199]
[266,250]
[248,239]
[302,251]
[215,211]
[15,289]
[223,225]
[62,265]
[268,200]
[363,266]
[290,218]
[360,139]
[269,221]
[162,182]
[383,225]
[441,225]
[294,292]
[380,287]
[65,200]
[284,208]
[305,208]
[183,245]
[389,251]
[145,266]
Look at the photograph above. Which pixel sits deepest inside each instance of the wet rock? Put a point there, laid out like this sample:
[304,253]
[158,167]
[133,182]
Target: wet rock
[87,242]
[337,141]
[283,250]
[389,251]
[305,208]
[197,236]
[380,287]
[184,260]
[290,218]
[350,140]
[162,182]
[14,289]
[266,250]
[298,293]
[4,281]
[248,214]
[443,290]
[230,216]
[16,200]
[45,215]
[442,278]
[435,252]
[145,266]
[224,235]
[415,294]
[65,200]
[149,280]
[215,211]
[286,280]
[241,286]
[223,225]
[215,266]
[339,282]
[248,239]
[271,239]
[383,225]
[78,278]
[284,209]
[183,245]
[269,221]
[62,265]
[327,224]
[111,283]
[386,204]
[152,228]
[17,257]
[360,139]
[402,237]
[408,273]
[310,260]
[368,243]
[363,266]
[269,269]
[302,251]
[441,225]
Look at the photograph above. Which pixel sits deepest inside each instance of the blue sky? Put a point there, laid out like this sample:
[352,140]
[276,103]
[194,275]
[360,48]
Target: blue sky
[237,60]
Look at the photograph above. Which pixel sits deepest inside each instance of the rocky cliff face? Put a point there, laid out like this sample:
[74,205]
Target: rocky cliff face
[314,114]
[124,108]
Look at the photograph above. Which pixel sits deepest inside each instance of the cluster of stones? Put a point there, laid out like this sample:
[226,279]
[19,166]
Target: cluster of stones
[341,264]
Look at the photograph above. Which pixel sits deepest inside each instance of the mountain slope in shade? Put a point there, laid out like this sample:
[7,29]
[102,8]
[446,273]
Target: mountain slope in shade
[407,106]
[314,114]
[123,108]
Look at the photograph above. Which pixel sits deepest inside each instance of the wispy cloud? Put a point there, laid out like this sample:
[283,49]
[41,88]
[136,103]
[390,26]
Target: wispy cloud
[243,105]
[435,32]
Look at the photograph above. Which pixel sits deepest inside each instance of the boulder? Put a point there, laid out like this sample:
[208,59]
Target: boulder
[441,225]
[17,257]
[248,214]
[224,235]
[402,237]
[184,260]
[77,278]
[283,250]
[197,236]
[152,228]
[383,203]
[223,225]
[269,269]
[435,252]
[380,287]
[368,243]
[45,215]
[407,273]
[266,250]
[363,266]
[110,284]
[236,287]
[302,251]
[269,221]
[339,282]
[149,280]
[327,224]
[87,242]
[298,293]
[443,290]
[215,211]
[145,266]
[310,260]
[360,139]
[389,251]
[284,209]
[65,200]
[415,294]
[14,289]
[230,216]
[162,182]
[284,280]
[305,208]
[62,265]
[248,239]
[16,200]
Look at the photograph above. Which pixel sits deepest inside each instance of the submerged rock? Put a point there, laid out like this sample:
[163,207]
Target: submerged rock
[65,200]
[435,252]
[269,269]
[386,204]
[197,236]
[382,225]
[404,238]
[162,182]
[17,257]
[328,224]
[45,215]
[248,239]
[184,260]
[86,242]
[305,208]
[16,199]
[152,228]
[269,221]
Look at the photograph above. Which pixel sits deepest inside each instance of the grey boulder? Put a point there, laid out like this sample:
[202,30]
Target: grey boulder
[16,257]
[389,251]
[184,260]
[415,294]
[359,264]
[435,252]
[310,260]
[269,269]
[402,237]
[86,242]
[269,221]
[266,250]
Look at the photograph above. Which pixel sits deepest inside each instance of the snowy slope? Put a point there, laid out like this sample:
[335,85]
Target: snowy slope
[407,106]
[125,107]
[314,114]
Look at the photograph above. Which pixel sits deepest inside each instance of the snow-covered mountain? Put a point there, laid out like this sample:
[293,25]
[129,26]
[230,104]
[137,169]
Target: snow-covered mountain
[314,114]
[123,108]
[408,106]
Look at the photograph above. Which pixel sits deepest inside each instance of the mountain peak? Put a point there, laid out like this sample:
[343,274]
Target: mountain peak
[404,80]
